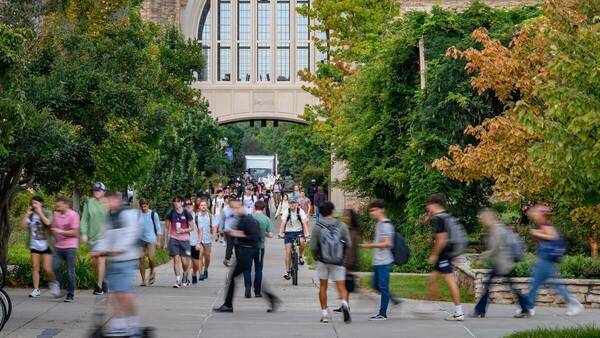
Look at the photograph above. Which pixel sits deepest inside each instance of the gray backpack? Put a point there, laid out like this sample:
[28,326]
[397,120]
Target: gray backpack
[457,236]
[332,246]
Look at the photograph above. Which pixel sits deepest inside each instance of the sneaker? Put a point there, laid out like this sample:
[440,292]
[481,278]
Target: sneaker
[98,291]
[186,279]
[531,312]
[177,284]
[54,289]
[346,312]
[476,314]
[69,298]
[248,293]
[227,262]
[522,314]
[574,308]
[287,276]
[205,275]
[338,310]
[35,293]
[378,317]
[257,295]
[455,318]
[324,319]
[194,280]
[104,287]
[301,260]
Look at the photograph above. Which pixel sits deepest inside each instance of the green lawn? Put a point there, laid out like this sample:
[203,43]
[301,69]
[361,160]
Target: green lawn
[578,332]
[415,287]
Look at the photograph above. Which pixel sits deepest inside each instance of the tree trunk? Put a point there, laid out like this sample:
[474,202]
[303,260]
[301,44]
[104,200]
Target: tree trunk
[594,245]
[76,200]
[8,189]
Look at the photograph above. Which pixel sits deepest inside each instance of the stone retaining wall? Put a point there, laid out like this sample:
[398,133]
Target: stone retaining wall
[587,291]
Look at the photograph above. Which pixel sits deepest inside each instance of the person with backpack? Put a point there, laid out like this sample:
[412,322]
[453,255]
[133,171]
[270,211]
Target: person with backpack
[382,256]
[330,239]
[283,206]
[504,249]
[38,221]
[120,243]
[550,251]
[150,236]
[208,230]
[266,230]
[318,199]
[350,217]
[450,242]
[294,224]
[248,200]
[180,224]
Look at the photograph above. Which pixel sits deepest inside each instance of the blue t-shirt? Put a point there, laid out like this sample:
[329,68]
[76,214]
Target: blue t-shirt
[204,222]
[149,229]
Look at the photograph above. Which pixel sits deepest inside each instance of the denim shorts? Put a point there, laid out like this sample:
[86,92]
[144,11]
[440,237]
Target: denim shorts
[289,236]
[120,275]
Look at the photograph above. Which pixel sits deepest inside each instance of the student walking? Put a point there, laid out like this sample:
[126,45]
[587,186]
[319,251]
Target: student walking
[550,249]
[247,235]
[151,234]
[65,227]
[38,220]
[350,217]
[120,243]
[284,205]
[382,256]
[93,220]
[502,258]
[180,223]
[444,251]
[266,230]
[205,222]
[330,239]
[227,223]
[318,199]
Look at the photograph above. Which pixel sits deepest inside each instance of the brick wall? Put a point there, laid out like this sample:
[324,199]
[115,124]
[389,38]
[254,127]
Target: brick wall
[170,10]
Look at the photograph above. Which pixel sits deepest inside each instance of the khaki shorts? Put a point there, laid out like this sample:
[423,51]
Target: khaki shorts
[329,271]
[149,249]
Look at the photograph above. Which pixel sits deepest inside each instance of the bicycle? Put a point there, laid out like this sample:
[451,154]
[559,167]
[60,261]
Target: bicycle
[5,302]
[295,260]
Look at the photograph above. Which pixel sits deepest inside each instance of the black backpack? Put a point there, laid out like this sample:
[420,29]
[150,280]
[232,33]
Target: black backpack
[400,249]
[290,217]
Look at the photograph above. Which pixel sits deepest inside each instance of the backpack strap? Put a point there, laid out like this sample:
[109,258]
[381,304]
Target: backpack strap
[298,215]
[153,222]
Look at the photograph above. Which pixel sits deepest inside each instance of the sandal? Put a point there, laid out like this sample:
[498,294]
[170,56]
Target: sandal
[151,279]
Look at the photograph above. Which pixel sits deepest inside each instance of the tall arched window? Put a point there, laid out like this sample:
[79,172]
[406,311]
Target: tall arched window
[270,41]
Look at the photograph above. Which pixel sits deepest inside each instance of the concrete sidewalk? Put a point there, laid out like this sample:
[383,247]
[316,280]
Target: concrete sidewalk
[186,312]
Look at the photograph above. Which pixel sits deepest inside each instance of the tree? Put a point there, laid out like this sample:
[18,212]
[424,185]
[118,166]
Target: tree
[544,78]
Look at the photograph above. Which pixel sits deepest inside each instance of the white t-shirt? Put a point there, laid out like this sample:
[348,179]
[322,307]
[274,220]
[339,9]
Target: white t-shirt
[248,203]
[37,237]
[294,224]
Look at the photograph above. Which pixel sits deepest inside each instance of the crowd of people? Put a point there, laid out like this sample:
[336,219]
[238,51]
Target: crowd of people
[121,238]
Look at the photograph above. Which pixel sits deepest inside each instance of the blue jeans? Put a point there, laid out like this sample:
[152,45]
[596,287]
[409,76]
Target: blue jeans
[542,271]
[317,213]
[483,301]
[67,255]
[381,283]
[258,260]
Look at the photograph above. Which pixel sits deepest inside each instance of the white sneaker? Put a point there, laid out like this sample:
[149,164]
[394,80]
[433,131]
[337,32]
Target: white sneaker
[574,308]
[531,311]
[54,289]
[455,318]
[35,293]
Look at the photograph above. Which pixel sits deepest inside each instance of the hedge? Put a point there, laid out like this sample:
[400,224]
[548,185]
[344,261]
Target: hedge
[578,332]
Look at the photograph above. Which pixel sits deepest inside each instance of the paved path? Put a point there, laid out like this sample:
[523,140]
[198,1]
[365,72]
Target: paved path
[187,312]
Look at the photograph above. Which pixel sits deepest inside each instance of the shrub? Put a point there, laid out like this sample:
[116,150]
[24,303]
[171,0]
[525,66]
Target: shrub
[578,332]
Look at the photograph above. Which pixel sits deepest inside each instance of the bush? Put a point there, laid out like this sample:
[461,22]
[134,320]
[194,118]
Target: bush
[571,267]
[20,273]
[578,332]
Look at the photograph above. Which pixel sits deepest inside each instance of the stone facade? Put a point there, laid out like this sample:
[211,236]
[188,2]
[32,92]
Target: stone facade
[587,291]
[170,10]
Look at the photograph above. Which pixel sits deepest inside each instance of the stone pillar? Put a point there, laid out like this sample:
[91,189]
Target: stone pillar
[340,198]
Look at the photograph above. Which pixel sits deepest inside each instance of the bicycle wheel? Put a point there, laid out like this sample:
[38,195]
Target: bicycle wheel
[294,268]
[2,276]
[3,317]
[7,303]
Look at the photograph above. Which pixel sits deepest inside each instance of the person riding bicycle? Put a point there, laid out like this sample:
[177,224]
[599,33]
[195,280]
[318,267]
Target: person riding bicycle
[294,224]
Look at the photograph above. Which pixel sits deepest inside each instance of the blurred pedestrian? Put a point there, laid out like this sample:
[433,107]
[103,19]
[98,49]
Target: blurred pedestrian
[350,217]
[319,198]
[550,250]
[38,220]
[247,241]
[180,223]
[149,222]
[93,220]
[120,243]
[266,230]
[499,253]
[444,251]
